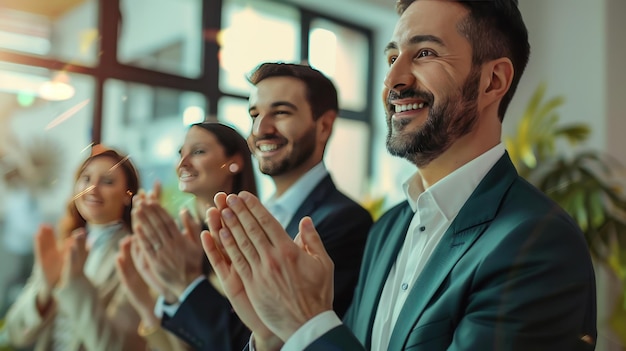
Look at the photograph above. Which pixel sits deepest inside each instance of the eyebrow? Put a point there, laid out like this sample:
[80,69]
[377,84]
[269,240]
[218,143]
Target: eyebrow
[416,40]
[277,104]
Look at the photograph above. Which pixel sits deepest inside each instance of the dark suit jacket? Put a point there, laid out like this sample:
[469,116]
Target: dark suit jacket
[206,320]
[512,272]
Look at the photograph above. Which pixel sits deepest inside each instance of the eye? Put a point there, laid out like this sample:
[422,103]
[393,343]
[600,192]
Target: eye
[254,116]
[391,60]
[425,53]
[198,152]
[108,181]
[282,112]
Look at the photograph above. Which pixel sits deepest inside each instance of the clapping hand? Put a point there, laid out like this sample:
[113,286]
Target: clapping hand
[268,277]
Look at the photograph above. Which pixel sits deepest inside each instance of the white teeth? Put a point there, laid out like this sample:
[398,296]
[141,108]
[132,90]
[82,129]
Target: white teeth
[268,147]
[407,107]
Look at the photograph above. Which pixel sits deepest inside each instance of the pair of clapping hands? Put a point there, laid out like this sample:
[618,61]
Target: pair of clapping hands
[159,256]
[275,284]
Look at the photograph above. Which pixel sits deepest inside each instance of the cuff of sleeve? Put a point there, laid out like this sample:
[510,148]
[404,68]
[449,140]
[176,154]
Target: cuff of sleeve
[311,331]
[162,308]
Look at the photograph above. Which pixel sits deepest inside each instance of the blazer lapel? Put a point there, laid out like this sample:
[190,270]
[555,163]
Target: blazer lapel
[394,231]
[311,203]
[473,218]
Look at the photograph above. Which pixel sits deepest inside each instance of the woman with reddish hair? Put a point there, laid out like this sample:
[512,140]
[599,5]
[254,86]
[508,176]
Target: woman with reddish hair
[73,299]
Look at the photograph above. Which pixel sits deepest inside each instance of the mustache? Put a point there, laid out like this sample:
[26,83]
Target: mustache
[410,93]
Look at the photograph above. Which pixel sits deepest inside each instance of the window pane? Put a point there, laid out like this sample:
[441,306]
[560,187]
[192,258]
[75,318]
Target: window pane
[162,35]
[42,141]
[255,32]
[65,30]
[347,154]
[149,123]
[234,112]
[342,54]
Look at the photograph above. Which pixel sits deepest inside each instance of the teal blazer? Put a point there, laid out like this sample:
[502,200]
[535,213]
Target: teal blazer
[513,272]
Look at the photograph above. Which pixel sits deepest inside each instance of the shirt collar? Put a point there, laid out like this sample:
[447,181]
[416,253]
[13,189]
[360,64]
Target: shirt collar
[451,192]
[99,233]
[293,198]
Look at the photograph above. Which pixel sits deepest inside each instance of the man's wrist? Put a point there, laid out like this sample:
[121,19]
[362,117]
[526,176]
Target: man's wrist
[268,343]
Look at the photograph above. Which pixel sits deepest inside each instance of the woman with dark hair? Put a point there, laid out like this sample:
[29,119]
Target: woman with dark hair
[213,158]
[73,299]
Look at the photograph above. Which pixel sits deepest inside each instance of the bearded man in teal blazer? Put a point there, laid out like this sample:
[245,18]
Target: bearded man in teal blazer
[475,259]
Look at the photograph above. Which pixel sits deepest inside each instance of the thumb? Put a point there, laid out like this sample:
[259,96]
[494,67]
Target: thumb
[191,230]
[308,238]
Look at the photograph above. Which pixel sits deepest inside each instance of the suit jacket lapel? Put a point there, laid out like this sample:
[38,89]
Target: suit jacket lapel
[394,231]
[309,205]
[475,215]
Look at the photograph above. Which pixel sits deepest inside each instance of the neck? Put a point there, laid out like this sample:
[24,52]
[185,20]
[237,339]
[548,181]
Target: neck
[285,181]
[202,205]
[462,151]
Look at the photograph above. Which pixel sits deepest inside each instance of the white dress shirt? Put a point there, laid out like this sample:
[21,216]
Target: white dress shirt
[435,209]
[283,208]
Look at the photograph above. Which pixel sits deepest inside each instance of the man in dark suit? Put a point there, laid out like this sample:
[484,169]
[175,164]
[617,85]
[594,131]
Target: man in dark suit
[475,259]
[293,108]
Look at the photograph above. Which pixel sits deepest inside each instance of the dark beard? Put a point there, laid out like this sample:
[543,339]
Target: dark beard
[302,150]
[447,122]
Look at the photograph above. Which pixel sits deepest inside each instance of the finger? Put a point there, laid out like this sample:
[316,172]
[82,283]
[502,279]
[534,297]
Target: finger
[144,243]
[148,229]
[123,262]
[243,238]
[44,240]
[214,222]
[191,228]
[155,193]
[220,200]
[236,256]
[214,254]
[252,215]
[310,238]
[163,226]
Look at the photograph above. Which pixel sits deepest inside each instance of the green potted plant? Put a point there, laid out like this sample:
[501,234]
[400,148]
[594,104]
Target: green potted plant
[585,183]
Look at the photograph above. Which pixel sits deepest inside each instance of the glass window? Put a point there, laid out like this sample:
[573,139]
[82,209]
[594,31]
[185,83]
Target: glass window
[253,33]
[346,156]
[45,132]
[162,35]
[149,123]
[65,30]
[234,112]
[342,54]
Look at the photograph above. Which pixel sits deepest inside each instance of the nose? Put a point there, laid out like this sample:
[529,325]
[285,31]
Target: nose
[184,159]
[263,124]
[399,76]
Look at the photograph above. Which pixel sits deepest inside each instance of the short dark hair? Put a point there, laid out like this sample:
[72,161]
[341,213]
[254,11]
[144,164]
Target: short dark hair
[320,90]
[495,29]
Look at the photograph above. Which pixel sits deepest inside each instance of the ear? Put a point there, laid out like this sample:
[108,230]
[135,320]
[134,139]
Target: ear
[128,199]
[235,164]
[496,81]
[325,125]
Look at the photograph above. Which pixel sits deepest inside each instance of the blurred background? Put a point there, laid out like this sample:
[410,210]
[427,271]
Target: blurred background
[133,74]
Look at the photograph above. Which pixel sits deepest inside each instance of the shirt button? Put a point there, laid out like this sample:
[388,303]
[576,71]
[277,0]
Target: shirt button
[422,228]
[404,286]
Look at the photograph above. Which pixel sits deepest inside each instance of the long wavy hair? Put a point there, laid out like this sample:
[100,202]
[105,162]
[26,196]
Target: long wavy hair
[72,218]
